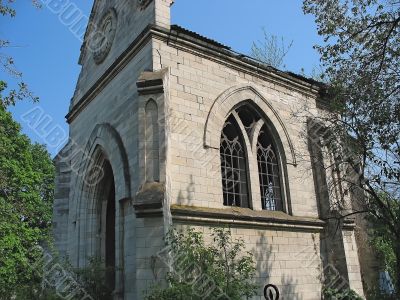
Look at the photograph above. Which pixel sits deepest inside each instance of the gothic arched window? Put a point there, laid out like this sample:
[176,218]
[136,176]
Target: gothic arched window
[268,172]
[247,129]
[234,165]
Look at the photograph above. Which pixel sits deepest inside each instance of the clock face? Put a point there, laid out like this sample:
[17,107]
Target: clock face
[104,35]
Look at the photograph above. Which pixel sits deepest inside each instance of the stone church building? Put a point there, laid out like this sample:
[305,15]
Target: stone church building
[168,127]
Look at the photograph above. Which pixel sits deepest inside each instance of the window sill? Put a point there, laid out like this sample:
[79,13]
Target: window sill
[244,217]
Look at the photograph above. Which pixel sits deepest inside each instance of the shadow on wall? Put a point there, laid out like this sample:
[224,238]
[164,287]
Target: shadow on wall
[275,264]
[186,196]
[265,255]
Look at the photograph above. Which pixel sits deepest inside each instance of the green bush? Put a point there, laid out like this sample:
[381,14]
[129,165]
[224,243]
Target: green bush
[219,270]
[26,197]
[334,294]
[93,279]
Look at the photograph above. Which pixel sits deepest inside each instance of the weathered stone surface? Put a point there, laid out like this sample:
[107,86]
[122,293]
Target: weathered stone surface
[173,83]
[151,194]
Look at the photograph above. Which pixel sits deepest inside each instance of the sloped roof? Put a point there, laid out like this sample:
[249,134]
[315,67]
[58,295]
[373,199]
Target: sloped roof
[182,32]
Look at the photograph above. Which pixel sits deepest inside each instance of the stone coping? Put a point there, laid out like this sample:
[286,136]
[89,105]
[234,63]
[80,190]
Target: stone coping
[190,41]
[245,217]
[183,33]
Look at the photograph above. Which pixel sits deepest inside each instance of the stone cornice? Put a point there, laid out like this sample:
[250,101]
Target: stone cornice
[151,83]
[198,46]
[245,218]
[148,201]
[118,65]
[208,49]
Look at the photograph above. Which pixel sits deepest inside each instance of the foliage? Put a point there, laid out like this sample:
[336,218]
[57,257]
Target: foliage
[93,279]
[7,65]
[26,196]
[334,294]
[361,57]
[31,286]
[26,190]
[35,291]
[383,240]
[376,294]
[14,95]
[271,51]
[7,9]
[90,282]
[219,270]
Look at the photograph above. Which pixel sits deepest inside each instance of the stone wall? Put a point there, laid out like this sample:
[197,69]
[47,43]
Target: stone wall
[288,259]
[132,19]
[111,121]
[61,200]
[196,82]
[155,109]
[205,86]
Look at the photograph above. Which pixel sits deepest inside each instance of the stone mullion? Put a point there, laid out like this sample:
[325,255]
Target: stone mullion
[253,180]
[254,139]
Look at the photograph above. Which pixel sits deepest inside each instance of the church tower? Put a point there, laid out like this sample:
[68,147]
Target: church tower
[170,128]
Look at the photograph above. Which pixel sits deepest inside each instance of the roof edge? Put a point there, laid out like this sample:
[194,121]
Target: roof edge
[185,39]
[185,33]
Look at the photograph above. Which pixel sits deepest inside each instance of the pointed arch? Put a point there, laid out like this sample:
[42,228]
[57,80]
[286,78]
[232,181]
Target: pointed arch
[234,164]
[232,97]
[107,137]
[104,147]
[152,142]
[269,171]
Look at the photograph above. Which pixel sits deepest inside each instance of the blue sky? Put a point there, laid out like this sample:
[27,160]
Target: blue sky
[47,52]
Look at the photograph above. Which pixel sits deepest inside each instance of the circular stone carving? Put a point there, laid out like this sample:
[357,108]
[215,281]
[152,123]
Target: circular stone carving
[104,35]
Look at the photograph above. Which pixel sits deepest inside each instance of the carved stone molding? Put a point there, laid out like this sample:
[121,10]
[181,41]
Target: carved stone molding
[148,201]
[222,106]
[151,82]
[245,217]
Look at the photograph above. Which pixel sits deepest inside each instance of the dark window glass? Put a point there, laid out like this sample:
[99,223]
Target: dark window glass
[268,171]
[234,165]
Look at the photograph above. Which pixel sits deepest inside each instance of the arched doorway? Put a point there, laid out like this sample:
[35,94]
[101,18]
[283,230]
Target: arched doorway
[106,225]
[109,242]
[101,198]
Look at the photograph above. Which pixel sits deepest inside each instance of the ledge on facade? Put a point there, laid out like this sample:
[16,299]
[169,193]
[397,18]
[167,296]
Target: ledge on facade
[211,48]
[342,219]
[151,82]
[148,201]
[245,217]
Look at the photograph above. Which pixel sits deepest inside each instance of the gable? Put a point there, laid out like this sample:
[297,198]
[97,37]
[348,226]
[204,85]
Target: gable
[113,27]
